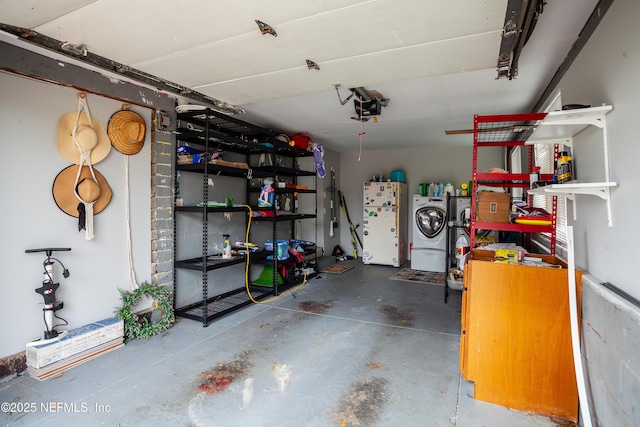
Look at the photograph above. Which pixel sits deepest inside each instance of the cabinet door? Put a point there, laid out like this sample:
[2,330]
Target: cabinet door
[463,322]
[519,340]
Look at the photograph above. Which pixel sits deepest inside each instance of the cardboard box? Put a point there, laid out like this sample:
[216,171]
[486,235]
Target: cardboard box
[493,207]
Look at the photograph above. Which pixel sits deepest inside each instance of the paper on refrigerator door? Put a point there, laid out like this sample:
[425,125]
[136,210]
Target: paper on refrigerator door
[381,194]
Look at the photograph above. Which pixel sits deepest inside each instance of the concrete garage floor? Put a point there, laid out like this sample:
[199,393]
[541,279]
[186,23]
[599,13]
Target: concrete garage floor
[355,349]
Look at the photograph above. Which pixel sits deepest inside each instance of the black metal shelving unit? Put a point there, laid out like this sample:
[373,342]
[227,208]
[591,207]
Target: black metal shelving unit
[210,130]
[453,225]
[291,217]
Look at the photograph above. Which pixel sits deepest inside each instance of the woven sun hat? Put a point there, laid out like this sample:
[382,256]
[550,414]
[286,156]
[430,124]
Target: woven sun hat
[88,190]
[126,130]
[91,139]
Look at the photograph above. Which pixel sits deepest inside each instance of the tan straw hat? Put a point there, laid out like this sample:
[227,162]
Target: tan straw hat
[87,189]
[126,130]
[90,139]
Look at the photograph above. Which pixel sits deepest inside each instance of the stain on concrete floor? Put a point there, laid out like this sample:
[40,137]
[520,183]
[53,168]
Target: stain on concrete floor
[363,403]
[315,306]
[375,365]
[224,374]
[397,317]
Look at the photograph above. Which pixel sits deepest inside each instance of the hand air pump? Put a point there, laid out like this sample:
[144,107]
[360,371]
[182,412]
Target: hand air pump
[48,292]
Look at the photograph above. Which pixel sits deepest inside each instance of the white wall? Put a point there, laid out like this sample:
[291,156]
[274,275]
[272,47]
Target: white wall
[29,217]
[432,164]
[607,71]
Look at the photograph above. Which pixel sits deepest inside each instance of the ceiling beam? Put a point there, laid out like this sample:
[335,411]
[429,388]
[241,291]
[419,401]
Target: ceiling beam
[81,54]
[24,62]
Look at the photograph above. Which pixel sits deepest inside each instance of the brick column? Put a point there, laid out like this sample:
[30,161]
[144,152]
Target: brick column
[162,195]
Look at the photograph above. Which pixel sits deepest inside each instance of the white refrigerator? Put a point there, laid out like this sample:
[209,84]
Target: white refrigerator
[384,223]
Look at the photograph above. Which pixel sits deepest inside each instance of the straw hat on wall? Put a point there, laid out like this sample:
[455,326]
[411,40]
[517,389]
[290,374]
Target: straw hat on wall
[91,139]
[79,190]
[126,130]
[99,193]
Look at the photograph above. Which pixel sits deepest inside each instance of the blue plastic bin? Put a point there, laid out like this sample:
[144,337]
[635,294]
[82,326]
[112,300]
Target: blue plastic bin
[282,251]
[397,175]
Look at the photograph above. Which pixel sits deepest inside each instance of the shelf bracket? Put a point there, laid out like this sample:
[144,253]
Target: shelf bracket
[603,193]
[594,121]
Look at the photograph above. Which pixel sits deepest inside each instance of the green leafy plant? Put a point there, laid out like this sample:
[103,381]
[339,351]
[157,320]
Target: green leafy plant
[139,326]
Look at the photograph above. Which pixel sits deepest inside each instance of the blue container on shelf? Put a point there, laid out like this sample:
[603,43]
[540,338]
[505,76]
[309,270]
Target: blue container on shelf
[397,175]
[282,249]
[185,149]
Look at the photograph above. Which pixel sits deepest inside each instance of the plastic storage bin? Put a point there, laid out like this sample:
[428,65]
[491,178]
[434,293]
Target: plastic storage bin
[282,250]
[397,175]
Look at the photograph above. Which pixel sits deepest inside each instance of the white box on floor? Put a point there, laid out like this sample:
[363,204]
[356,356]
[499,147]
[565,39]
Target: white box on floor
[76,341]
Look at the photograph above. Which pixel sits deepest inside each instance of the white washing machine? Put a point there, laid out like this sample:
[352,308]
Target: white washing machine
[429,233]
[463,216]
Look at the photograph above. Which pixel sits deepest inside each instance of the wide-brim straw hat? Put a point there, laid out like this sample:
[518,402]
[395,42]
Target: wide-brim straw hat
[88,190]
[126,130]
[90,139]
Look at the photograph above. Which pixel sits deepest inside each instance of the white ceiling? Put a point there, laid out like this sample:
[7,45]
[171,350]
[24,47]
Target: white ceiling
[434,60]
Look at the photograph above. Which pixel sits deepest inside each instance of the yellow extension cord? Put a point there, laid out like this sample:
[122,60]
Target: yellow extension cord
[246,272]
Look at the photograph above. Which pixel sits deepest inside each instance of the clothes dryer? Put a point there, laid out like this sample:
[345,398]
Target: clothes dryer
[429,233]
[462,216]
[462,206]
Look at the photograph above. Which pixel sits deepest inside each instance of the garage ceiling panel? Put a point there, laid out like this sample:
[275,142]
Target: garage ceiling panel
[435,60]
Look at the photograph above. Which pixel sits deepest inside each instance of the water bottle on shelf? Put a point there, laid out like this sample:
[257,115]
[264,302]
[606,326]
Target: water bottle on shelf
[448,189]
[226,247]
[431,190]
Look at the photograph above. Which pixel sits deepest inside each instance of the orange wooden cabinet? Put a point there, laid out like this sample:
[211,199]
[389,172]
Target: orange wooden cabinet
[516,337]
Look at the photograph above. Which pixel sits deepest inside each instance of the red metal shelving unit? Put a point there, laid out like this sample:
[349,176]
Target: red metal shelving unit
[506,130]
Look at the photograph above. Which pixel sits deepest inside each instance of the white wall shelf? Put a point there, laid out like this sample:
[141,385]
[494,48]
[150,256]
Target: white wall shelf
[559,127]
[570,189]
